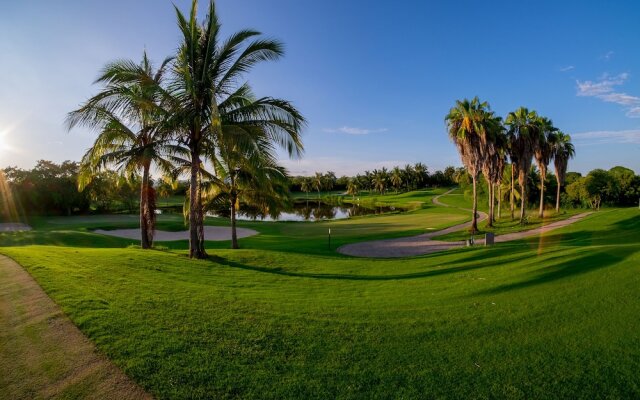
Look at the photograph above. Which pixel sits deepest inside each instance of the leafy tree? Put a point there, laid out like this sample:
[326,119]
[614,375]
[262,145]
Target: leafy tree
[47,189]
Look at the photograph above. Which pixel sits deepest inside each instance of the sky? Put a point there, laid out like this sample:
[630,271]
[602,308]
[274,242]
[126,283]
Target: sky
[373,79]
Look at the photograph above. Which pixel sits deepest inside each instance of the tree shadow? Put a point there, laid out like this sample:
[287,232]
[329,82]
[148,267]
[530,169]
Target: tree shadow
[632,223]
[436,271]
[575,266]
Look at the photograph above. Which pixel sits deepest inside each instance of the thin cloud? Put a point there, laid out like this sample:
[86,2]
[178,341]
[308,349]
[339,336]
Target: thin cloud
[607,56]
[349,130]
[605,90]
[567,68]
[341,166]
[606,137]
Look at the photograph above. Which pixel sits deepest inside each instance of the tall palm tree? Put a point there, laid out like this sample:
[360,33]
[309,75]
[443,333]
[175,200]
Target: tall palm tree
[467,125]
[206,73]
[305,186]
[396,178]
[523,131]
[493,160]
[129,114]
[421,174]
[563,150]
[379,181]
[243,151]
[247,177]
[543,153]
[352,188]
[317,182]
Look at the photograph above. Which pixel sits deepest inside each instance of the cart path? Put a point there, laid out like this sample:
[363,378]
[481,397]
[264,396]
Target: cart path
[43,354]
[422,244]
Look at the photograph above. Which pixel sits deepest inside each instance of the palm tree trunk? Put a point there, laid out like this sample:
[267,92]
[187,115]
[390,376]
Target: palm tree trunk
[234,234]
[196,229]
[144,238]
[542,178]
[474,218]
[147,217]
[490,222]
[523,195]
[499,201]
[558,195]
[513,177]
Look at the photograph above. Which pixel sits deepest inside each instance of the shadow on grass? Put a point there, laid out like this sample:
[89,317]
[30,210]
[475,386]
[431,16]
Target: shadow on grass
[573,267]
[436,271]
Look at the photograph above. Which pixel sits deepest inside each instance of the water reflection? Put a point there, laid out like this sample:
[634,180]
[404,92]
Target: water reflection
[314,211]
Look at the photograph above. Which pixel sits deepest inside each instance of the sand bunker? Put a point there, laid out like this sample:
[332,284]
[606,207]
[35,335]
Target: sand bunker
[215,233]
[14,227]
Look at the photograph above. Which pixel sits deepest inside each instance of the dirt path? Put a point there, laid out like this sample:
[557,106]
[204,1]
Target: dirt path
[422,244]
[43,354]
[14,227]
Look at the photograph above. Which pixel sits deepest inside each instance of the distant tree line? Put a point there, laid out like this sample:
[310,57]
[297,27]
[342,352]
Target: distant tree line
[397,179]
[52,189]
[617,187]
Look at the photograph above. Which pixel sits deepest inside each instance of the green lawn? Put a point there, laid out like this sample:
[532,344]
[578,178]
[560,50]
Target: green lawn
[504,224]
[285,317]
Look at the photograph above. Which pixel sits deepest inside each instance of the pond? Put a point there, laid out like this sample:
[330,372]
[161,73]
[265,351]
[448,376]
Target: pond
[316,211]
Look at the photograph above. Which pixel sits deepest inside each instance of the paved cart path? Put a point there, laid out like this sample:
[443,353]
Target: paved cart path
[422,244]
[43,354]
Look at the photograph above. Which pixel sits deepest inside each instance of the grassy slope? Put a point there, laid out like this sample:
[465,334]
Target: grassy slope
[555,317]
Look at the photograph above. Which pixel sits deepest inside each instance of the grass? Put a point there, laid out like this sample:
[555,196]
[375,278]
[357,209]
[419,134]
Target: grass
[285,317]
[307,237]
[504,224]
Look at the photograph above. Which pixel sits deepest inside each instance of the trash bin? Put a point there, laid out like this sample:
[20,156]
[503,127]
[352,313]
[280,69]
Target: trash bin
[489,239]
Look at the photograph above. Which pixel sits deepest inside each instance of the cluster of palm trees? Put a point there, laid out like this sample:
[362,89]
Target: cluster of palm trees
[318,182]
[193,115]
[410,177]
[485,142]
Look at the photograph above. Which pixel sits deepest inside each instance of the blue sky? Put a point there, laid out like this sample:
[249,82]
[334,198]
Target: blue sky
[374,79]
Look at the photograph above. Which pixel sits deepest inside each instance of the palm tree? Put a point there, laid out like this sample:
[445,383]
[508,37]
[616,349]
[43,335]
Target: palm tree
[317,182]
[467,127]
[206,73]
[543,153]
[305,186]
[493,159]
[248,177]
[352,188]
[563,150]
[523,132]
[243,152]
[129,114]
[379,181]
[421,174]
[396,178]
